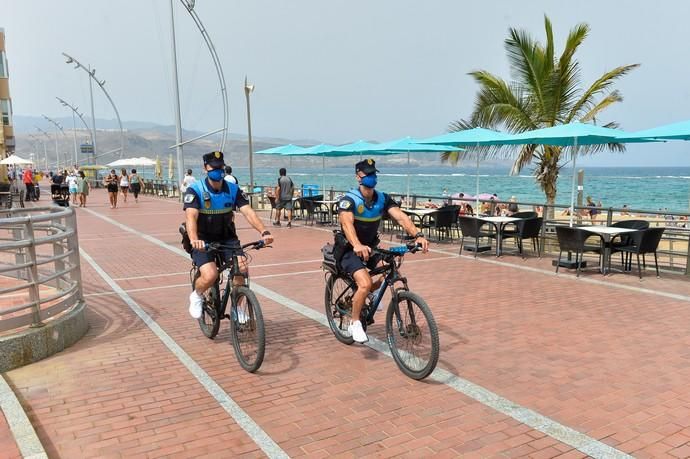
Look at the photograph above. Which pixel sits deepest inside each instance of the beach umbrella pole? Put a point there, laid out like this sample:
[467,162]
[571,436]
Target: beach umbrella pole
[572,188]
[323,175]
[408,179]
[476,176]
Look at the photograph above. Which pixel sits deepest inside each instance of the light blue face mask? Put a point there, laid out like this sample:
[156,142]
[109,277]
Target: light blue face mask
[216,175]
[369,181]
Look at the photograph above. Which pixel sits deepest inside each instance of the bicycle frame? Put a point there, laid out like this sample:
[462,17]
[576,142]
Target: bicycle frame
[391,277]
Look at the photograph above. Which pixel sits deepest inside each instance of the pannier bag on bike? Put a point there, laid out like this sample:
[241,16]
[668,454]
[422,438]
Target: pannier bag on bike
[186,243]
[329,263]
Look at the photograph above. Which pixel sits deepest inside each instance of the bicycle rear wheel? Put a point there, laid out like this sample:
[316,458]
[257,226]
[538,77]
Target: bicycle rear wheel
[412,335]
[338,301]
[209,322]
[247,329]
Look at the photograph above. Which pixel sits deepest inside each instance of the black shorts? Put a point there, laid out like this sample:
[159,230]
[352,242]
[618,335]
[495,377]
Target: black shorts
[201,257]
[350,263]
[112,188]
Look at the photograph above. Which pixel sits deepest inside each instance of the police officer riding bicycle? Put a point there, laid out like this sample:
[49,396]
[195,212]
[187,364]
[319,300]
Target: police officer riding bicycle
[209,217]
[360,211]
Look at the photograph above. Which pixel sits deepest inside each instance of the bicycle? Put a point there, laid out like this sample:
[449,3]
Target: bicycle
[410,325]
[247,332]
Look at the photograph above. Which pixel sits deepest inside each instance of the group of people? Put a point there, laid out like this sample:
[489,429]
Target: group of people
[123,183]
[209,206]
[76,183]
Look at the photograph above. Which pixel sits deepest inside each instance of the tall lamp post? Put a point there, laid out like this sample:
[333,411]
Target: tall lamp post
[45,149]
[248,89]
[101,83]
[75,111]
[57,127]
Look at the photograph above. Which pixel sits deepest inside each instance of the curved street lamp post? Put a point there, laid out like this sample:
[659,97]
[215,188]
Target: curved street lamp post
[75,111]
[248,89]
[92,77]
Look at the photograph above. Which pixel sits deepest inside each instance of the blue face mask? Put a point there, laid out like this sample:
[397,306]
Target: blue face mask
[369,181]
[216,175]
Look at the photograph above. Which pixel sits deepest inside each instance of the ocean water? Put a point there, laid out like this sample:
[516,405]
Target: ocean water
[643,188]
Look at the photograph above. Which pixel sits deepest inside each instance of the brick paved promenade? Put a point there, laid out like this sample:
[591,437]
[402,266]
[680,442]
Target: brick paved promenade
[532,364]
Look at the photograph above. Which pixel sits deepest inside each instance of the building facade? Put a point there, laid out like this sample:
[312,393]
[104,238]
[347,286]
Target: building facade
[6,130]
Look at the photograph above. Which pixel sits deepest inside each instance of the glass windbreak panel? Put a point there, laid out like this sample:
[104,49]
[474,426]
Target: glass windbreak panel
[3,65]
[6,110]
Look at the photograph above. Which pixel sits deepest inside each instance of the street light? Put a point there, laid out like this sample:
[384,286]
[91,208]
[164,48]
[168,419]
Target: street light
[92,77]
[75,110]
[45,149]
[248,89]
[57,127]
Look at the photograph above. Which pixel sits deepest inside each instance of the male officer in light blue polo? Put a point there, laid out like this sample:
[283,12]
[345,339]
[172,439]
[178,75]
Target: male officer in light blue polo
[209,206]
[360,212]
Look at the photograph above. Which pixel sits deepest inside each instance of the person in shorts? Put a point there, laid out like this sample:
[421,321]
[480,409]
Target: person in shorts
[111,182]
[284,192]
[360,213]
[209,206]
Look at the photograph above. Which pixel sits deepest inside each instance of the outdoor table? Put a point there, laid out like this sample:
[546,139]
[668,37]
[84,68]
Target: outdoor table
[499,223]
[606,233]
[418,215]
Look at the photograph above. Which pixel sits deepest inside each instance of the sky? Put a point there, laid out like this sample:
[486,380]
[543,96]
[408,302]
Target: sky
[340,70]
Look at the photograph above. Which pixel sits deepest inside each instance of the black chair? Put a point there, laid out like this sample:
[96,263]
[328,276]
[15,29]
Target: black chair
[308,206]
[471,227]
[525,214]
[529,228]
[642,242]
[443,221]
[272,200]
[572,239]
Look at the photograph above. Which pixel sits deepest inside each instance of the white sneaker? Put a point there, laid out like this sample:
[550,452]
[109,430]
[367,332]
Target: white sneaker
[196,304]
[242,316]
[357,332]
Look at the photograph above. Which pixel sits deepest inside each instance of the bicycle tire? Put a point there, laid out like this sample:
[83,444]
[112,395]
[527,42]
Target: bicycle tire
[338,322]
[209,322]
[405,333]
[243,334]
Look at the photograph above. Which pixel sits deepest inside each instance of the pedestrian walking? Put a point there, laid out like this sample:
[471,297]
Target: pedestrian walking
[284,192]
[135,184]
[124,183]
[82,188]
[111,184]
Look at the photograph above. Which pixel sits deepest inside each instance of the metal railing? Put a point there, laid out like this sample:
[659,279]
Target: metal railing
[40,273]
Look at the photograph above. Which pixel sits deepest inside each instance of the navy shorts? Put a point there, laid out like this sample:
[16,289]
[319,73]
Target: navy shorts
[201,257]
[350,263]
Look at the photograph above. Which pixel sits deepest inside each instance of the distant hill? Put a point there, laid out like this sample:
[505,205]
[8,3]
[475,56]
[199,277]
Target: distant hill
[144,138]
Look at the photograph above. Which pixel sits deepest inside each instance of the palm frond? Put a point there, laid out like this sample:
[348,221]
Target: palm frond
[612,98]
[601,85]
[498,103]
[524,158]
[527,63]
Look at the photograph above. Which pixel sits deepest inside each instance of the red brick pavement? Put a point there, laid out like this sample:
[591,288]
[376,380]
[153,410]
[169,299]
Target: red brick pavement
[7,444]
[609,362]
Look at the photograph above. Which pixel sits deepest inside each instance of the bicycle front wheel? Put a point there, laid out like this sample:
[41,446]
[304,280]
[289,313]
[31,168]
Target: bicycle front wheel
[338,301]
[412,335]
[247,329]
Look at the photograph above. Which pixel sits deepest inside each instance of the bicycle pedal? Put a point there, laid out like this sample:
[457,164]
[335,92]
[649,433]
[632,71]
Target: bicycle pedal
[370,321]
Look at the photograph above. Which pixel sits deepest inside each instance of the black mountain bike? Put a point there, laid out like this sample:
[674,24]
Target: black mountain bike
[247,331]
[411,330]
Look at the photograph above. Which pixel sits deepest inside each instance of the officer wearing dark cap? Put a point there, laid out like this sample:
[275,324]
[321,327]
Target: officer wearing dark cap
[209,206]
[360,212]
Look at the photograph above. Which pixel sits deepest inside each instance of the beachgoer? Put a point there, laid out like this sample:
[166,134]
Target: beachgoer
[625,210]
[28,180]
[111,184]
[430,204]
[124,183]
[512,206]
[209,217]
[72,186]
[229,177]
[593,212]
[186,181]
[82,188]
[360,212]
[284,192]
[135,184]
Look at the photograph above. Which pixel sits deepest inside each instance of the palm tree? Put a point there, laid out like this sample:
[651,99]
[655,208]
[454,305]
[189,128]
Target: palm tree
[545,91]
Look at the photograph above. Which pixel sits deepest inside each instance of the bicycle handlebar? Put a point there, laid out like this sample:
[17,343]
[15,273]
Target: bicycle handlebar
[256,245]
[399,251]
